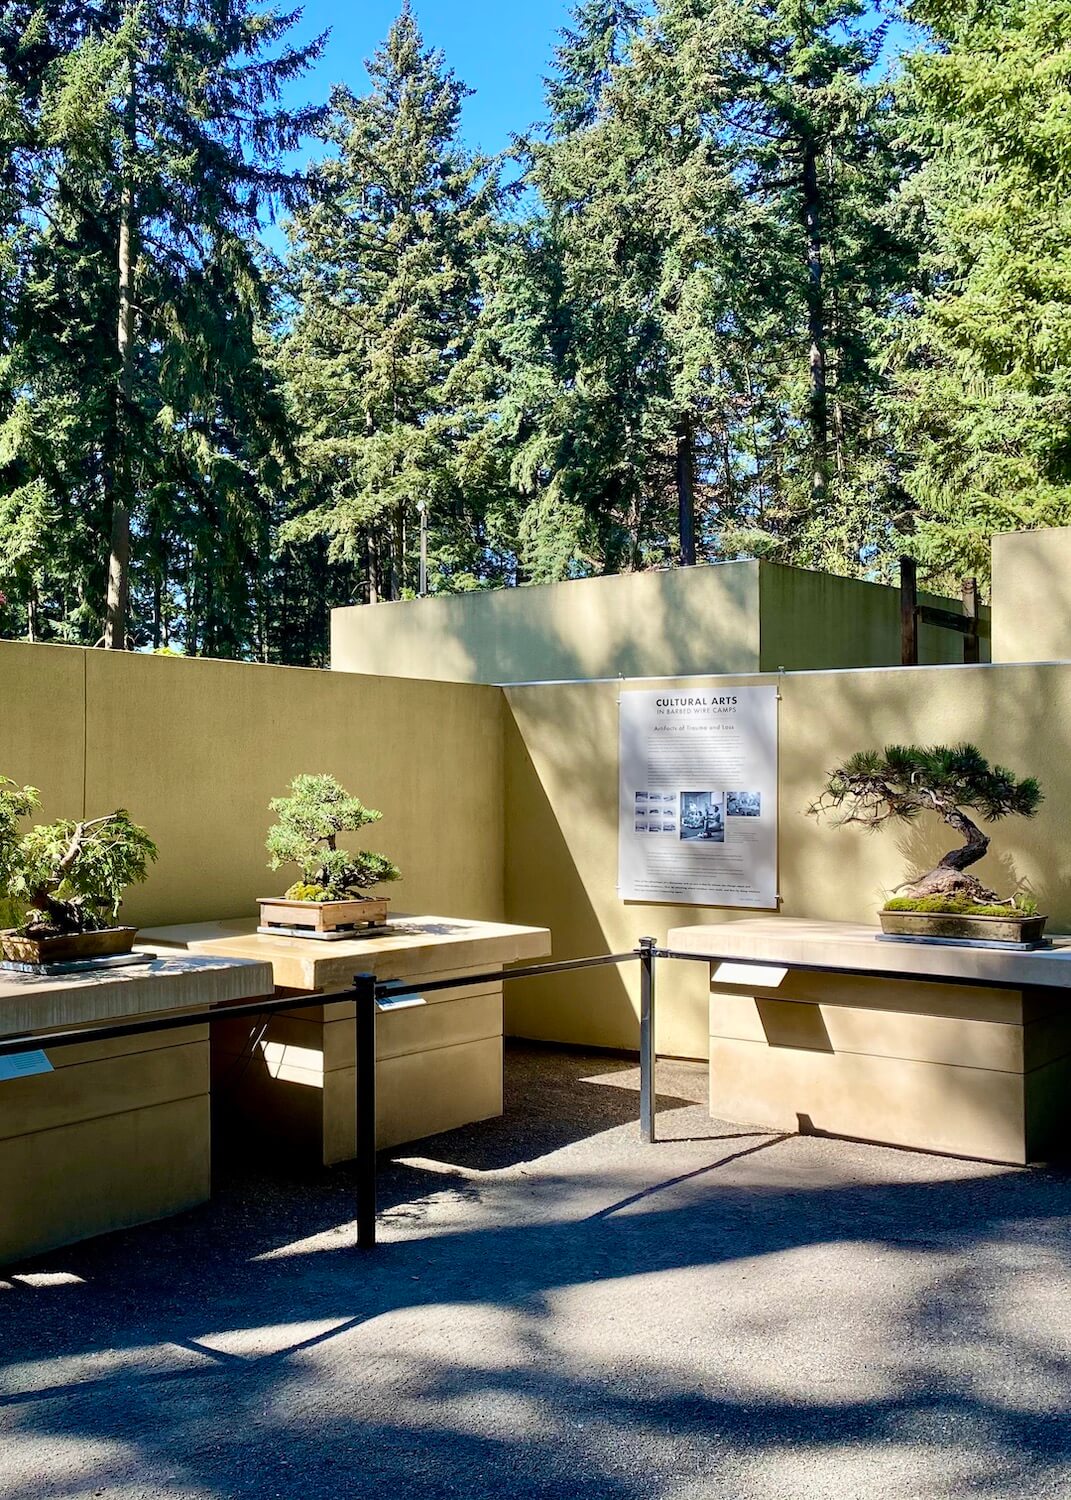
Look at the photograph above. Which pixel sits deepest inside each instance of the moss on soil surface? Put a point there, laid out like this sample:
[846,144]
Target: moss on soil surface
[952,907]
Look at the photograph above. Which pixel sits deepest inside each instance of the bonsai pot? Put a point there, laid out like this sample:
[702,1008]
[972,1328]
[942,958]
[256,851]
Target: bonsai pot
[66,947]
[321,919]
[1016,927]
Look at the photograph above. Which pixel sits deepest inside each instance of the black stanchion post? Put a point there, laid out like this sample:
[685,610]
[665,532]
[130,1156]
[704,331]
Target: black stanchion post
[365,991]
[647,1042]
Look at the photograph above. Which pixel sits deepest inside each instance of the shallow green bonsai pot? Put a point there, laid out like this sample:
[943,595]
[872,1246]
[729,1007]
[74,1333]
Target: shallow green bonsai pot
[1016,927]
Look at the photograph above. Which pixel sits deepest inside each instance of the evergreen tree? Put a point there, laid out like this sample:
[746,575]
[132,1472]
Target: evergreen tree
[595,281]
[983,364]
[715,261]
[146,413]
[386,362]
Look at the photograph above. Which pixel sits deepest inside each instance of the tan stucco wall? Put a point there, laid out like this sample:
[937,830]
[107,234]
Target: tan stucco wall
[502,805]
[812,620]
[195,749]
[561,816]
[1032,595]
[729,617]
[632,624]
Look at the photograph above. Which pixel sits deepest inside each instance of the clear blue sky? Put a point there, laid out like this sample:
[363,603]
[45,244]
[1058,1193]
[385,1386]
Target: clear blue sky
[500,48]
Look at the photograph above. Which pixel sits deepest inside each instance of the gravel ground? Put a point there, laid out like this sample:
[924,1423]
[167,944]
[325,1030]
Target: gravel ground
[556,1311]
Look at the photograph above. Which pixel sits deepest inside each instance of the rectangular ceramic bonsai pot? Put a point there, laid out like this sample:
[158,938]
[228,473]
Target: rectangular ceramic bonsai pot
[66,947]
[1016,927]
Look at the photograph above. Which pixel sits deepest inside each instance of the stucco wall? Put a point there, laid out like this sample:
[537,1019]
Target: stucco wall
[1032,595]
[561,817]
[504,804]
[810,620]
[730,617]
[195,749]
[632,624]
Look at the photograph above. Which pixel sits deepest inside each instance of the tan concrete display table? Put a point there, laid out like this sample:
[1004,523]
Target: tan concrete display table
[439,1065]
[119,1133]
[964,1050]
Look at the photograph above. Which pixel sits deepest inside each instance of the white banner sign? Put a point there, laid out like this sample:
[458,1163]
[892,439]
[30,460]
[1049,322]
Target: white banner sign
[698,812]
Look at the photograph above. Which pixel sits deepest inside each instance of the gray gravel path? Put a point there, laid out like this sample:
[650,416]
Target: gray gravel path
[555,1312]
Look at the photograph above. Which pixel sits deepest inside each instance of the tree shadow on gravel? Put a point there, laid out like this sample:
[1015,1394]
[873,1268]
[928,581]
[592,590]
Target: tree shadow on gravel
[240,1352]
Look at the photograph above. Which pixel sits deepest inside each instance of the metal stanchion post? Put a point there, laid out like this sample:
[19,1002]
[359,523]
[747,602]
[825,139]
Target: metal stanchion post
[647,1040]
[365,991]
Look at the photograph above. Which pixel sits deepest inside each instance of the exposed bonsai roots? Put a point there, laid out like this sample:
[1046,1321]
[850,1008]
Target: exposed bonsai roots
[946,881]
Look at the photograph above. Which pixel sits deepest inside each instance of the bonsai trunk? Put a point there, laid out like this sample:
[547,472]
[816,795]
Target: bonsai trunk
[949,878]
[67,916]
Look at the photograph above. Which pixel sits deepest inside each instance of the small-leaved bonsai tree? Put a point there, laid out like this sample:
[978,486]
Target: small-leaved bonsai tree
[68,877]
[311,818]
[901,782]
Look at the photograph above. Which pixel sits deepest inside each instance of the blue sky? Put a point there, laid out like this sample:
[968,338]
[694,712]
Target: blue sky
[500,49]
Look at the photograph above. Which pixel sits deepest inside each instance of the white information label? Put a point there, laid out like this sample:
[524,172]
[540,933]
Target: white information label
[23,1065]
[698,797]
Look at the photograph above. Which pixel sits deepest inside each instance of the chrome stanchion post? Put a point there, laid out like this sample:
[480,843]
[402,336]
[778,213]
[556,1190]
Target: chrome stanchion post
[647,1040]
[365,992]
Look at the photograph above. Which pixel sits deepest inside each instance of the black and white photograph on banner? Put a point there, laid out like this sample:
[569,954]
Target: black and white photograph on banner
[743,805]
[703,816]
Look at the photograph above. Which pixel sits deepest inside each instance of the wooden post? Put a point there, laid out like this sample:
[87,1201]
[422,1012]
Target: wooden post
[971,612]
[909,620]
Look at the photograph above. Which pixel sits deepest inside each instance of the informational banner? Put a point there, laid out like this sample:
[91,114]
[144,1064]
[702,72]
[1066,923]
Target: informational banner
[698,813]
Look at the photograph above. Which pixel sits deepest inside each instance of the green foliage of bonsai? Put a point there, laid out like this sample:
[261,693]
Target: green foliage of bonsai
[68,877]
[16,802]
[901,782]
[311,818]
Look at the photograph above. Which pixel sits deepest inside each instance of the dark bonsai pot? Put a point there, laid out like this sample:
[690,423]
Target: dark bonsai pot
[1016,927]
[66,947]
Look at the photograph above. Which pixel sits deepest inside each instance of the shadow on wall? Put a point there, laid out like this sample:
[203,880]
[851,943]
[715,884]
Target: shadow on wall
[545,877]
[562,811]
[1019,716]
[561,867]
[196,749]
[629,625]
[716,618]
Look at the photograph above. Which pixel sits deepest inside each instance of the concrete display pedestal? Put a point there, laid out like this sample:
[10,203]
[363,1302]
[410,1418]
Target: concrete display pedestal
[439,1065]
[959,1050]
[119,1133]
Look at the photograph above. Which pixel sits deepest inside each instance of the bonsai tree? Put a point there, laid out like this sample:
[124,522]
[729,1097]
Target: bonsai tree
[311,818]
[68,877]
[16,802]
[901,782]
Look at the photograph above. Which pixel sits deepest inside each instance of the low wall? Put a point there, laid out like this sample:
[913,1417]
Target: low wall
[728,617]
[195,749]
[562,808]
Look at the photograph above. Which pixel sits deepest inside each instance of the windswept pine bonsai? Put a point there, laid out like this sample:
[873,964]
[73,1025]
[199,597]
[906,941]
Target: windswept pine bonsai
[311,818]
[902,782]
[68,877]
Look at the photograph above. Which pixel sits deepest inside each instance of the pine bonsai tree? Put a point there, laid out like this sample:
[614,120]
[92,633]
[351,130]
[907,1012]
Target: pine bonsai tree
[311,818]
[67,877]
[902,781]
